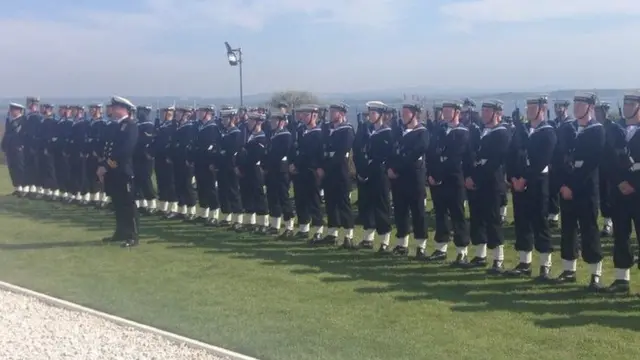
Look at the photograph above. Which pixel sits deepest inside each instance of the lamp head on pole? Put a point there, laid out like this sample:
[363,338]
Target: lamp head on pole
[232,55]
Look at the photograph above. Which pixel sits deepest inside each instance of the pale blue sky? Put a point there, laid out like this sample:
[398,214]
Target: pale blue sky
[167,47]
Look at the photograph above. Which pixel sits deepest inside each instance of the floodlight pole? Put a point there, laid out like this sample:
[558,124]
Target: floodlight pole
[235,59]
[239,52]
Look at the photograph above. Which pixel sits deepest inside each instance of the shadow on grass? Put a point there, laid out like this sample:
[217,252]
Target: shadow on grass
[406,281]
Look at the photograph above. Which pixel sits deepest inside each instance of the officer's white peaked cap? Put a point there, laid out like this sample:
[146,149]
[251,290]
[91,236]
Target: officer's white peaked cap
[16,106]
[120,101]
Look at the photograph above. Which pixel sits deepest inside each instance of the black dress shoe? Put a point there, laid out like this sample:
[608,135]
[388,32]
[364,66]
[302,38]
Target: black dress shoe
[421,254]
[347,244]
[436,256]
[544,275]
[383,250]
[302,235]
[211,223]
[400,251]
[111,239]
[172,216]
[318,240]
[475,263]
[287,235]
[619,287]
[365,244]
[244,228]
[461,261]
[261,230]
[566,277]
[521,270]
[189,218]
[595,285]
[496,269]
[129,243]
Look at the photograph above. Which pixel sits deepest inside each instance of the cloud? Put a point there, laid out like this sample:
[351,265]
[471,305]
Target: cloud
[149,49]
[512,11]
[162,47]
[256,14]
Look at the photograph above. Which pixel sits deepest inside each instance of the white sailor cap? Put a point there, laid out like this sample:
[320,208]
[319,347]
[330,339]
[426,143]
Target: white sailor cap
[228,112]
[308,108]
[16,106]
[495,105]
[169,108]
[120,101]
[277,114]
[95,106]
[377,106]
[207,108]
[452,104]
[633,96]
[257,116]
[587,97]
[144,107]
[469,103]
[413,106]
[339,107]
[538,100]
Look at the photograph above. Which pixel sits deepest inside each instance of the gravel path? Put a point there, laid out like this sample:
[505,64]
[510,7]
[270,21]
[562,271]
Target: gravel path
[33,330]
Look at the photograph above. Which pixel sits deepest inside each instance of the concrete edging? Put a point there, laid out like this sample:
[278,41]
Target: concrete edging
[215,350]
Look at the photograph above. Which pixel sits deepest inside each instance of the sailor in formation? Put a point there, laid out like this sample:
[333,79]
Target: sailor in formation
[235,168]
[531,150]
[374,185]
[446,182]
[117,169]
[277,176]
[579,194]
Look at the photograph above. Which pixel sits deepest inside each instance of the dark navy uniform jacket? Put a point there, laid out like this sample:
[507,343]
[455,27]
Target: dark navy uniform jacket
[586,156]
[623,157]
[14,138]
[120,152]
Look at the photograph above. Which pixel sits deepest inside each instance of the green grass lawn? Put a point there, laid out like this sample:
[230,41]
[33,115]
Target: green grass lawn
[284,301]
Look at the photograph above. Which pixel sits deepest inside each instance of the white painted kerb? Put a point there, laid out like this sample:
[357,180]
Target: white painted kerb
[124,322]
